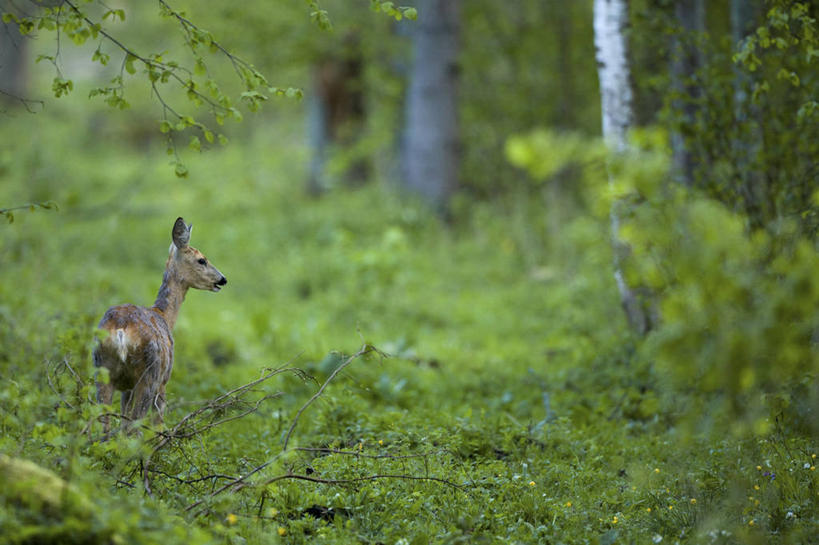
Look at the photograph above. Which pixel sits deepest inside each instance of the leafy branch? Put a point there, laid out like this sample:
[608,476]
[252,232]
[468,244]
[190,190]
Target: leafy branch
[71,18]
[391,10]
[31,207]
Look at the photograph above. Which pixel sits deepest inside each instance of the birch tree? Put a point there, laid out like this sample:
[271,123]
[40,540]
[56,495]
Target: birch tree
[431,156]
[610,18]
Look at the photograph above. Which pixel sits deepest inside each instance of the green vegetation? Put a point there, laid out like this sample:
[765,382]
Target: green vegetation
[378,372]
[512,375]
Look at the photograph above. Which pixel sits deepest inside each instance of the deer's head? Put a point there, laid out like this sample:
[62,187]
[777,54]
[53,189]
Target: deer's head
[189,265]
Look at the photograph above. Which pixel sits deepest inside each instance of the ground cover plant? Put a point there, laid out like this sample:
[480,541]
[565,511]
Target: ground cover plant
[506,400]
[388,368]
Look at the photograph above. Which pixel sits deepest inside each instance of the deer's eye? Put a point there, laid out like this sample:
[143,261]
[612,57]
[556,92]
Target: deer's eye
[203,261]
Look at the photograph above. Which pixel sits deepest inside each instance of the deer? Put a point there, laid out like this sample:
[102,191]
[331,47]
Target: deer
[135,343]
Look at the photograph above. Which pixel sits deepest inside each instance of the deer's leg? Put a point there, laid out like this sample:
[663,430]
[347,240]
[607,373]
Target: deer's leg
[142,398]
[125,407]
[159,405]
[105,391]
[105,394]
[149,386]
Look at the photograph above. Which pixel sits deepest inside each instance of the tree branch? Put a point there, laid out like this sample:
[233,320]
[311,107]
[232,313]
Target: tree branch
[366,349]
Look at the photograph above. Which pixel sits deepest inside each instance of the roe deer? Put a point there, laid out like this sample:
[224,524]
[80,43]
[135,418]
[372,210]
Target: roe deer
[138,349]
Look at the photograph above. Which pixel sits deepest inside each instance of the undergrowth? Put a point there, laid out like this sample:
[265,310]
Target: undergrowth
[507,403]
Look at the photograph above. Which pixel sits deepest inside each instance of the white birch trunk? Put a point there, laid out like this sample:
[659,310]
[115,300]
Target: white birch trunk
[610,19]
[431,140]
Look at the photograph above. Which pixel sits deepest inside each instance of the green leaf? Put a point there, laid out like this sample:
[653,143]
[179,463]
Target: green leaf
[114,14]
[293,92]
[129,64]
[199,67]
[61,86]
[195,144]
[180,170]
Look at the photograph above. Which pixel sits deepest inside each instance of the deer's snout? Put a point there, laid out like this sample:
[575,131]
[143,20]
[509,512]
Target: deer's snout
[219,283]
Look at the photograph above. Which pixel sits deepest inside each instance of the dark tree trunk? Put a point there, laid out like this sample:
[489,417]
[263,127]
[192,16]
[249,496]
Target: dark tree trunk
[562,12]
[336,118]
[686,61]
[747,141]
[13,61]
[431,145]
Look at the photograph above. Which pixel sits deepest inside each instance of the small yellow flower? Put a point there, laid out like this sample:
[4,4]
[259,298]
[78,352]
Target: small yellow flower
[273,512]
[282,530]
[614,520]
[361,445]
[693,501]
[531,483]
[751,522]
[756,487]
[813,456]
[759,468]
[380,442]
[568,504]
[231,519]
[648,509]
[813,468]
[656,470]
[670,507]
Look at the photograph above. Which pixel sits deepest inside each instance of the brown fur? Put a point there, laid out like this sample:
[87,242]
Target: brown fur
[137,349]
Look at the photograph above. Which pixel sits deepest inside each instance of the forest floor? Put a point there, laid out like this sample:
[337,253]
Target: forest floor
[507,401]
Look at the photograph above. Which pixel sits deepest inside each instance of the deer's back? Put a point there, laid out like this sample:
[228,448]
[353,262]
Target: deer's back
[138,346]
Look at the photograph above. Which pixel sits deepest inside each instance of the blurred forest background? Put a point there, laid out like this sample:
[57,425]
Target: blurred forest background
[585,234]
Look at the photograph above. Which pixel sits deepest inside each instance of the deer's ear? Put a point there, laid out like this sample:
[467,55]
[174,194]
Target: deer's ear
[181,233]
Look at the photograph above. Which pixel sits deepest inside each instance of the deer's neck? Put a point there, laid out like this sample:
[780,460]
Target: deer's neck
[169,299]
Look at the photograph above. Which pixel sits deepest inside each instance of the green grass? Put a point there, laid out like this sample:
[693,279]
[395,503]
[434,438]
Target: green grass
[512,379]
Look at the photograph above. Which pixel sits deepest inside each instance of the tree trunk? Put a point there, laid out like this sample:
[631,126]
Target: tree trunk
[747,143]
[13,73]
[431,145]
[686,60]
[336,118]
[610,19]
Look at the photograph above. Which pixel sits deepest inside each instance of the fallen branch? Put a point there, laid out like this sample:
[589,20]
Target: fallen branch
[190,425]
[366,349]
[241,482]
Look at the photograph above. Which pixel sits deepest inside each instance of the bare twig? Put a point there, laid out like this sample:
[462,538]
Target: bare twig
[235,482]
[363,478]
[323,450]
[223,402]
[214,477]
[241,482]
[366,349]
[26,102]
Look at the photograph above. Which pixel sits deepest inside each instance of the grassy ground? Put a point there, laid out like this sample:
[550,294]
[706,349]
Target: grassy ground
[512,408]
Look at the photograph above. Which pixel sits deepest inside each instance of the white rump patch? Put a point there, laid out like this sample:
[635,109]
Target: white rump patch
[121,342]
